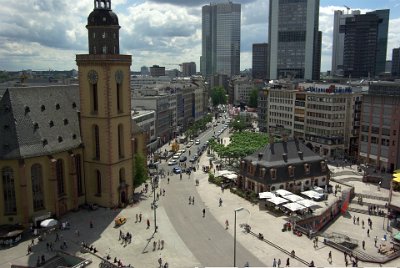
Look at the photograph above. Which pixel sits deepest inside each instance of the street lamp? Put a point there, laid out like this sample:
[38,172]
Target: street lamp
[234,237]
[154,186]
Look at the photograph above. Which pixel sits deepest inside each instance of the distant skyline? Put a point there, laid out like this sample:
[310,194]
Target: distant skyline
[47,34]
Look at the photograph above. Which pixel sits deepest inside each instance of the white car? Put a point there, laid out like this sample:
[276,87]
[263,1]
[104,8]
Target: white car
[182,151]
[172,162]
[176,156]
[197,142]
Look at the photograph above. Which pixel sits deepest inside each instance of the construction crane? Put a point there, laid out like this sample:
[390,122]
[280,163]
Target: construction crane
[348,9]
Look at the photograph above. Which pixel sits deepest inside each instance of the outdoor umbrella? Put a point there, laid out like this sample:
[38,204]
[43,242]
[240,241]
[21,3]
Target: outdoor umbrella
[293,197]
[294,206]
[48,223]
[277,200]
[308,203]
[265,195]
[283,192]
[397,171]
[396,177]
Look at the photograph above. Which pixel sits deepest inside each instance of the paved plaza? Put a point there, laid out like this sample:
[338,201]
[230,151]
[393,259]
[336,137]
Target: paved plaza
[192,240]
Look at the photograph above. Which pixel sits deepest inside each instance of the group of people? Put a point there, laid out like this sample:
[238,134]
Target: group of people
[126,238]
[352,259]
[191,200]
[160,245]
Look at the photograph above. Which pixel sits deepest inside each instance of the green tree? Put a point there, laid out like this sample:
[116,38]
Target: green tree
[239,123]
[253,100]
[139,170]
[218,96]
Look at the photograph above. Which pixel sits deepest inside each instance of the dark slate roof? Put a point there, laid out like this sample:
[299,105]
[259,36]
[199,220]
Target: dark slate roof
[274,155]
[28,130]
[102,17]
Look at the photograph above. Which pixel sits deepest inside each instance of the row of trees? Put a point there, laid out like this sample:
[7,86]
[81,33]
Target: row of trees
[199,125]
[241,145]
[218,96]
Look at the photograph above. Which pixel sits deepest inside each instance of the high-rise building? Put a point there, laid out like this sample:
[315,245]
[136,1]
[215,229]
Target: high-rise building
[294,39]
[338,40]
[220,39]
[260,61]
[144,70]
[188,69]
[157,71]
[365,44]
[396,62]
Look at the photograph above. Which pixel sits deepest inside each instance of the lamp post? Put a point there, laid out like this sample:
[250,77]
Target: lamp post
[234,237]
[154,205]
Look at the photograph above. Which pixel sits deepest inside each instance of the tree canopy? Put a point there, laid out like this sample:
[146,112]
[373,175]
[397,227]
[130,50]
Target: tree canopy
[218,96]
[199,125]
[139,170]
[241,145]
[253,100]
[239,123]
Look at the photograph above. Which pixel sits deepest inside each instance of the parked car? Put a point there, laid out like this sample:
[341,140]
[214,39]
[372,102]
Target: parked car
[183,159]
[172,162]
[193,159]
[177,170]
[197,142]
[176,156]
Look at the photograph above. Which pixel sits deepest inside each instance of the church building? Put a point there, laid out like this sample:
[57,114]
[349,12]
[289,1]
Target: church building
[64,146]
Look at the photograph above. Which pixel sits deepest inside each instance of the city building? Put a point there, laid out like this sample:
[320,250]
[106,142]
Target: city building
[157,71]
[380,127]
[338,40]
[325,116]
[260,61]
[242,88]
[294,39]
[63,146]
[365,44]
[188,69]
[220,39]
[144,70]
[396,63]
[262,110]
[287,164]
[144,81]
[145,120]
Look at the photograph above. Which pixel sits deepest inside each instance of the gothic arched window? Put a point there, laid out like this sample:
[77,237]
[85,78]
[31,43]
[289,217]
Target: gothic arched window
[60,177]
[96,142]
[10,202]
[120,141]
[37,187]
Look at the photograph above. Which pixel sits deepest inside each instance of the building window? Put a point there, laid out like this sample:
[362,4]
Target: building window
[78,170]
[291,171]
[10,202]
[273,173]
[121,141]
[95,101]
[96,142]
[37,187]
[98,183]
[121,175]
[307,168]
[119,98]
[60,177]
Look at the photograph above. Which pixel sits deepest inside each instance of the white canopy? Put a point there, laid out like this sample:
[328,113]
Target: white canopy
[308,203]
[293,197]
[283,192]
[312,194]
[266,195]
[48,223]
[231,176]
[277,200]
[294,206]
[319,190]
[224,173]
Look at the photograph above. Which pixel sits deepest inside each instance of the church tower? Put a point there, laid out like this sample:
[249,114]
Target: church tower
[105,107]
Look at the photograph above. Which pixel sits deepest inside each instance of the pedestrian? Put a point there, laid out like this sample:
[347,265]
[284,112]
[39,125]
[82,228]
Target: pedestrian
[362,224]
[368,232]
[158,196]
[43,259]
[29,250]
[363,244]
[204,212]
[154,245]
[274,263]
[159,244]
[47,246]
[65,244]
[345,262]
[279,262]
[190,200]
[51,246]
[148,223]
[226,224]
[376,240]
[358,220]
[330,257]
[57,237]
[163,192]
[33,242]
[162,244]
[91,224]
[287,262]
[140,217]
[354,219]
[166,265]
[160,261]
[137,218]
[38,261]
[120,235]
[220,201]
[168,180]
[311,264]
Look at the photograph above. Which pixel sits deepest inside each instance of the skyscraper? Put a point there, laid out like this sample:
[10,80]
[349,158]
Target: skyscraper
[260,61]
[188,69]
[365,44]
[396,62]
[294,40]
[338,40]
[220,39]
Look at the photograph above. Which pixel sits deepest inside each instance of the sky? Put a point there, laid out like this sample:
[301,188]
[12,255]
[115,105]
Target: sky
[47,34]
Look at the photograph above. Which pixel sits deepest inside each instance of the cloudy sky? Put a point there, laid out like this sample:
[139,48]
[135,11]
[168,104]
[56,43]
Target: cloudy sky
[46,34]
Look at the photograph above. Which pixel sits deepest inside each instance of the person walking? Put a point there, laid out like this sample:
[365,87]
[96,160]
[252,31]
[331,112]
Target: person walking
[220,202]
[368,232]
[274,263]
[140,217]
[226,224]
[137,218]
[168,180]
[376,240]
[288,262]
[363,244]
[204,212]
[190,200]
[148,223]
[160,262]
[154,245]
[279,262]
[330,257]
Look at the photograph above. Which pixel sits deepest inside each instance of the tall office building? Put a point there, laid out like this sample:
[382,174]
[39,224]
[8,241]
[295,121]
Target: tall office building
[365,44]
[220,39]
[260,61]
[294,39]
[338,40]
[188,69]
[396,62]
